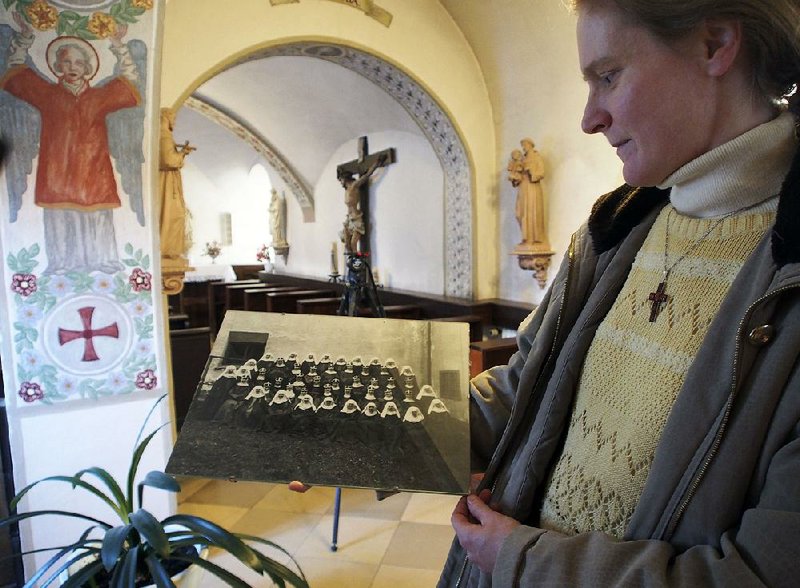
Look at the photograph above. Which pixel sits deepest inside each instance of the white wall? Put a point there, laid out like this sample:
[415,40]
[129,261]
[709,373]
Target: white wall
[528,56]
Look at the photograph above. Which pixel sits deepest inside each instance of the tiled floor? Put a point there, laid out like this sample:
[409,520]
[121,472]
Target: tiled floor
[400,542]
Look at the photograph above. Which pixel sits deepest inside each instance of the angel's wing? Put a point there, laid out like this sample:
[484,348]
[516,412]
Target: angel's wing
[126,133]
[20,126]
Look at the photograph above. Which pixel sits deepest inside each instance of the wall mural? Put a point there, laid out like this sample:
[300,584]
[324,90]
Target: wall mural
[76,222]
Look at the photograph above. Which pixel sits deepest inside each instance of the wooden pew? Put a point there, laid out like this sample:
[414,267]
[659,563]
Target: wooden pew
[216,301]
[287,301]
[475,324]
[327,305]
[398,311]
[255,299]
[189,352]
[489,353]
[234,294]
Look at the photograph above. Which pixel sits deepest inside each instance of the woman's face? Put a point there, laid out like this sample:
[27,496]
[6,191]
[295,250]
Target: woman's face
[653,102]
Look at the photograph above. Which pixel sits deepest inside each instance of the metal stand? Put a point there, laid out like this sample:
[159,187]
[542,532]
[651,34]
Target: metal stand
[337,504]
[360,289]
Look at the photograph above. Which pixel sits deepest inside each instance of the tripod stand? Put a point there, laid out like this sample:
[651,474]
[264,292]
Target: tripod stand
[360,288]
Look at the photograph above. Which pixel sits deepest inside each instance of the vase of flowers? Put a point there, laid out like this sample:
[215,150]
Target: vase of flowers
[212,250]
[263,255]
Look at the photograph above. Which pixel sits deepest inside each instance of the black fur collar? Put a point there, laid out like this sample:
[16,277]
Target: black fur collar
[616,213]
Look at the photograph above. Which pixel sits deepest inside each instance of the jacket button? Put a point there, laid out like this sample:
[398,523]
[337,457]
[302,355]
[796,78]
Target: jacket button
[762,335]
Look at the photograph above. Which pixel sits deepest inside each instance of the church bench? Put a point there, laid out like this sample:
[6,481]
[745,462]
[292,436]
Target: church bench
[234,294]
[255,299]
[398,311]
[189,349]
[327,305]
[287,301]
[216,301]
[489,353]
[474,321]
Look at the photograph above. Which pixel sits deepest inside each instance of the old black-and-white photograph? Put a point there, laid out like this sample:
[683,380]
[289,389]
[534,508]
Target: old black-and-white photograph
[332,401]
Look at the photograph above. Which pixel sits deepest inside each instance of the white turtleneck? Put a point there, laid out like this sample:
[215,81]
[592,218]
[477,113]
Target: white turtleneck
[745,172]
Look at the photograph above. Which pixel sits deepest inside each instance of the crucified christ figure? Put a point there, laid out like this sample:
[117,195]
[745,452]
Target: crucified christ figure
[354,227]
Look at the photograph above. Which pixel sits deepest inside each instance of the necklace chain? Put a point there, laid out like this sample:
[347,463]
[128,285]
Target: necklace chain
[667,267]
[659,298]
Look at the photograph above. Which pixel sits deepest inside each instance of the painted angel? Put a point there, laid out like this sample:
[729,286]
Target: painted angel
[79,127]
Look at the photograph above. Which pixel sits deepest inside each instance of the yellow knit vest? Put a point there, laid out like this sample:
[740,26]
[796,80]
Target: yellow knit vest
[635,368]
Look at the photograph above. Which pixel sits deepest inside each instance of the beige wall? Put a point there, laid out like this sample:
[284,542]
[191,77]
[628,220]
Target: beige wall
[527,52]
[200,39]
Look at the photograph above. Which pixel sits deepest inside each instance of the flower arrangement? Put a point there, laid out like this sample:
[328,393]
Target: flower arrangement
[213,250]
[263,253]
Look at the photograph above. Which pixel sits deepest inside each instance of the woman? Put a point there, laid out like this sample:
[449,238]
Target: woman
[646,434]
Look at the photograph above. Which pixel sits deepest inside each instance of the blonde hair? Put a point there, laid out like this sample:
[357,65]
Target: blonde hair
[771,30]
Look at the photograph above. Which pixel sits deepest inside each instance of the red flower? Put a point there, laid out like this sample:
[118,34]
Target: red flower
[146,379]
[140,279]
[31,392]
[24,284]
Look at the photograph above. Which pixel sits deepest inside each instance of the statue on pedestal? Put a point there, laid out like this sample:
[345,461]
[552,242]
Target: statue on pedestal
[525,172]
[277,222]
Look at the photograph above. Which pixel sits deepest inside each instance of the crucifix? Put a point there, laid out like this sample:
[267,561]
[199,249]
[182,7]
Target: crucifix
[356,194]
[659,299]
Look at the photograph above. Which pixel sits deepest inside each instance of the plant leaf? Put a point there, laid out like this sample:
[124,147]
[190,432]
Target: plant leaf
[160,480]
[75,481]
[109,481]
[157,571]
[135,459]
[125,573]
[152,409]
[62,551]
[151,531]
[274,568]
[221,573]
[10,520]
[219,538]
[113,542]
[82,576]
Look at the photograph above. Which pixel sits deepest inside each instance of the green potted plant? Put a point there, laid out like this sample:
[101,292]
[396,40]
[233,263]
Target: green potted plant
[139,549]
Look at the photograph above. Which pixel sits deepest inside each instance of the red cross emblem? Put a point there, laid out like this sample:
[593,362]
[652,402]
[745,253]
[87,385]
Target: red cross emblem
[87,334]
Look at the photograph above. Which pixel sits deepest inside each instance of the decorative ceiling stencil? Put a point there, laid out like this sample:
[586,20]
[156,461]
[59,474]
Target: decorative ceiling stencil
[227,120]
[439,130]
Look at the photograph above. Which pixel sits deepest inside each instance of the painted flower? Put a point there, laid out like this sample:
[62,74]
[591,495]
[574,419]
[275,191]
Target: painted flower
[23,284]
[31,392]
[146,4]
[117,382]
[61,285]
[30,360]
[139,308]
[143,347]
[146,379]
[103,283]
[41,15]
[140,279]
[29,315]
[102,25]
[67,385]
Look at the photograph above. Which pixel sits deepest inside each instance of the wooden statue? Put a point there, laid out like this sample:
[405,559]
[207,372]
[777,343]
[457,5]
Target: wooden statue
[525,172]
[174,215]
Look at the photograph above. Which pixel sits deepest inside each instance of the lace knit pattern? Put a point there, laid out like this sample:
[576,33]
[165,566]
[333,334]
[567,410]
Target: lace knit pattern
[634,369]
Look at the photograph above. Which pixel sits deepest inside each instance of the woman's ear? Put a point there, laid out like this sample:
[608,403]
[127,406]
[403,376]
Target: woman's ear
[722,40]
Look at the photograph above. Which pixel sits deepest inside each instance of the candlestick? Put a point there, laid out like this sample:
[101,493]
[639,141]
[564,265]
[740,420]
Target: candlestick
[334,258]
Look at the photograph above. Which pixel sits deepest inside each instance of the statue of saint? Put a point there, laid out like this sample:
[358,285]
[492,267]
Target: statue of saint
[277,220]
[525,172]
[174,214]
[354,227]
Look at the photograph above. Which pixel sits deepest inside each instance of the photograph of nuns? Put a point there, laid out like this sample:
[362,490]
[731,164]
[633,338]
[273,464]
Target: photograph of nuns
[333,401]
